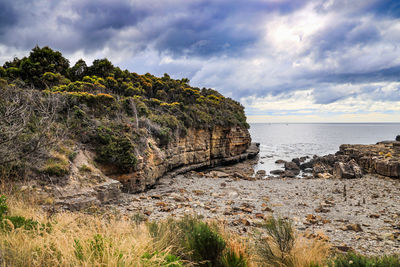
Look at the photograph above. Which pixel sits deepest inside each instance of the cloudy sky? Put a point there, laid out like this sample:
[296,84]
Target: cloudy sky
[284,60]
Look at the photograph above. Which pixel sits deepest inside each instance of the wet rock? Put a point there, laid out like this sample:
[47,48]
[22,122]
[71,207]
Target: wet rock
[280,161]
[307,165]
[277,172]
[308,170]
[293,167]
[303,159]
[296,161]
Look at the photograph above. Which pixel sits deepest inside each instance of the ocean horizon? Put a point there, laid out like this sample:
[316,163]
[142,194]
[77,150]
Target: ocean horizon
[290,140]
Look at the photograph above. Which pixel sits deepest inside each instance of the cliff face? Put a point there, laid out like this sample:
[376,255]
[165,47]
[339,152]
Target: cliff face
[198,149]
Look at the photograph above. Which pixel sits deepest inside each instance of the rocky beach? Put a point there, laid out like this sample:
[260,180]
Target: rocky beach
[338,198]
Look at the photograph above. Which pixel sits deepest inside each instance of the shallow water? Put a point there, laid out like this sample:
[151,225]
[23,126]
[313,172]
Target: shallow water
[287,141]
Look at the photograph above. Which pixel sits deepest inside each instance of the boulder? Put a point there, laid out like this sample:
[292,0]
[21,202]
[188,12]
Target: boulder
[320,167]
[280,161]
[289,174]
[277,172]
[307,165]
[398,138]
[390,168]
[261,172]
[297,161]
[293,167]
[347,170]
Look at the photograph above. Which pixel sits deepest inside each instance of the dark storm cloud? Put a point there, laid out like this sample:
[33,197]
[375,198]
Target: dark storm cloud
[342,35]
[387,74]
[8,16]
[201,28]
[214,42]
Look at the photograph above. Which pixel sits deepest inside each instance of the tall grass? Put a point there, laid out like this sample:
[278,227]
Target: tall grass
[30,237]
[278,245]
[77,239]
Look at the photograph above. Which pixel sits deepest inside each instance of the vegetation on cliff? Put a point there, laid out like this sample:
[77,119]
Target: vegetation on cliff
[44,100]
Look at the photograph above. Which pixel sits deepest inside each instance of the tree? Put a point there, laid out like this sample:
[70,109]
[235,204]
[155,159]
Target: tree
[78,71]
[102,68]
[40,60]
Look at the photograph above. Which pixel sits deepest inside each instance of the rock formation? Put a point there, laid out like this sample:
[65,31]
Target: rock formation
[198,149]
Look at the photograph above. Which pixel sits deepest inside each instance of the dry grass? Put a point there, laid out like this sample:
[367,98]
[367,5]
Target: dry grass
[77,239]
[279,245]
[309,251]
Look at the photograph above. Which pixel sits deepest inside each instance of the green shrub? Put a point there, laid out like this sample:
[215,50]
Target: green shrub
[55,169]
[19,222]
[115,148]
[280,236]
[356,260]
[191,239]
[206,244]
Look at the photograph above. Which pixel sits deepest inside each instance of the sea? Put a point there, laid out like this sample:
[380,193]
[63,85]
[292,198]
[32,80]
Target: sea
[290,140]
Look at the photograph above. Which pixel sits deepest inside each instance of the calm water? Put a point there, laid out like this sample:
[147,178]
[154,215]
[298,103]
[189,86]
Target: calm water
[287,141]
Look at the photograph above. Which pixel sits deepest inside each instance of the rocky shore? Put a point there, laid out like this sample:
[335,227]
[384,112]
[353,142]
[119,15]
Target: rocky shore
[351,198]
[338,198]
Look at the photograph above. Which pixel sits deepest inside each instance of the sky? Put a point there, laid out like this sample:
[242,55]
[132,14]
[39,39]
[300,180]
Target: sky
[284,60]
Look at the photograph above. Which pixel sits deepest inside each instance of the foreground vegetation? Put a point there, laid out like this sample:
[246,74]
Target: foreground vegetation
[31,237]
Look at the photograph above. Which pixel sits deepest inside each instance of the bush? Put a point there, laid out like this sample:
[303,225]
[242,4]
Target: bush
[355,260]
[55,169]
[115,148]
[275,249]
[14,222]
[192,239]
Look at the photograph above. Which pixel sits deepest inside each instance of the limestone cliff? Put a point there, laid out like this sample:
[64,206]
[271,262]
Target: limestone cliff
[198,149]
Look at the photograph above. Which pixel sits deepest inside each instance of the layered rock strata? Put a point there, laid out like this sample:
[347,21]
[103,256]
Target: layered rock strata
[382,158]
[352,161]
[200,148]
